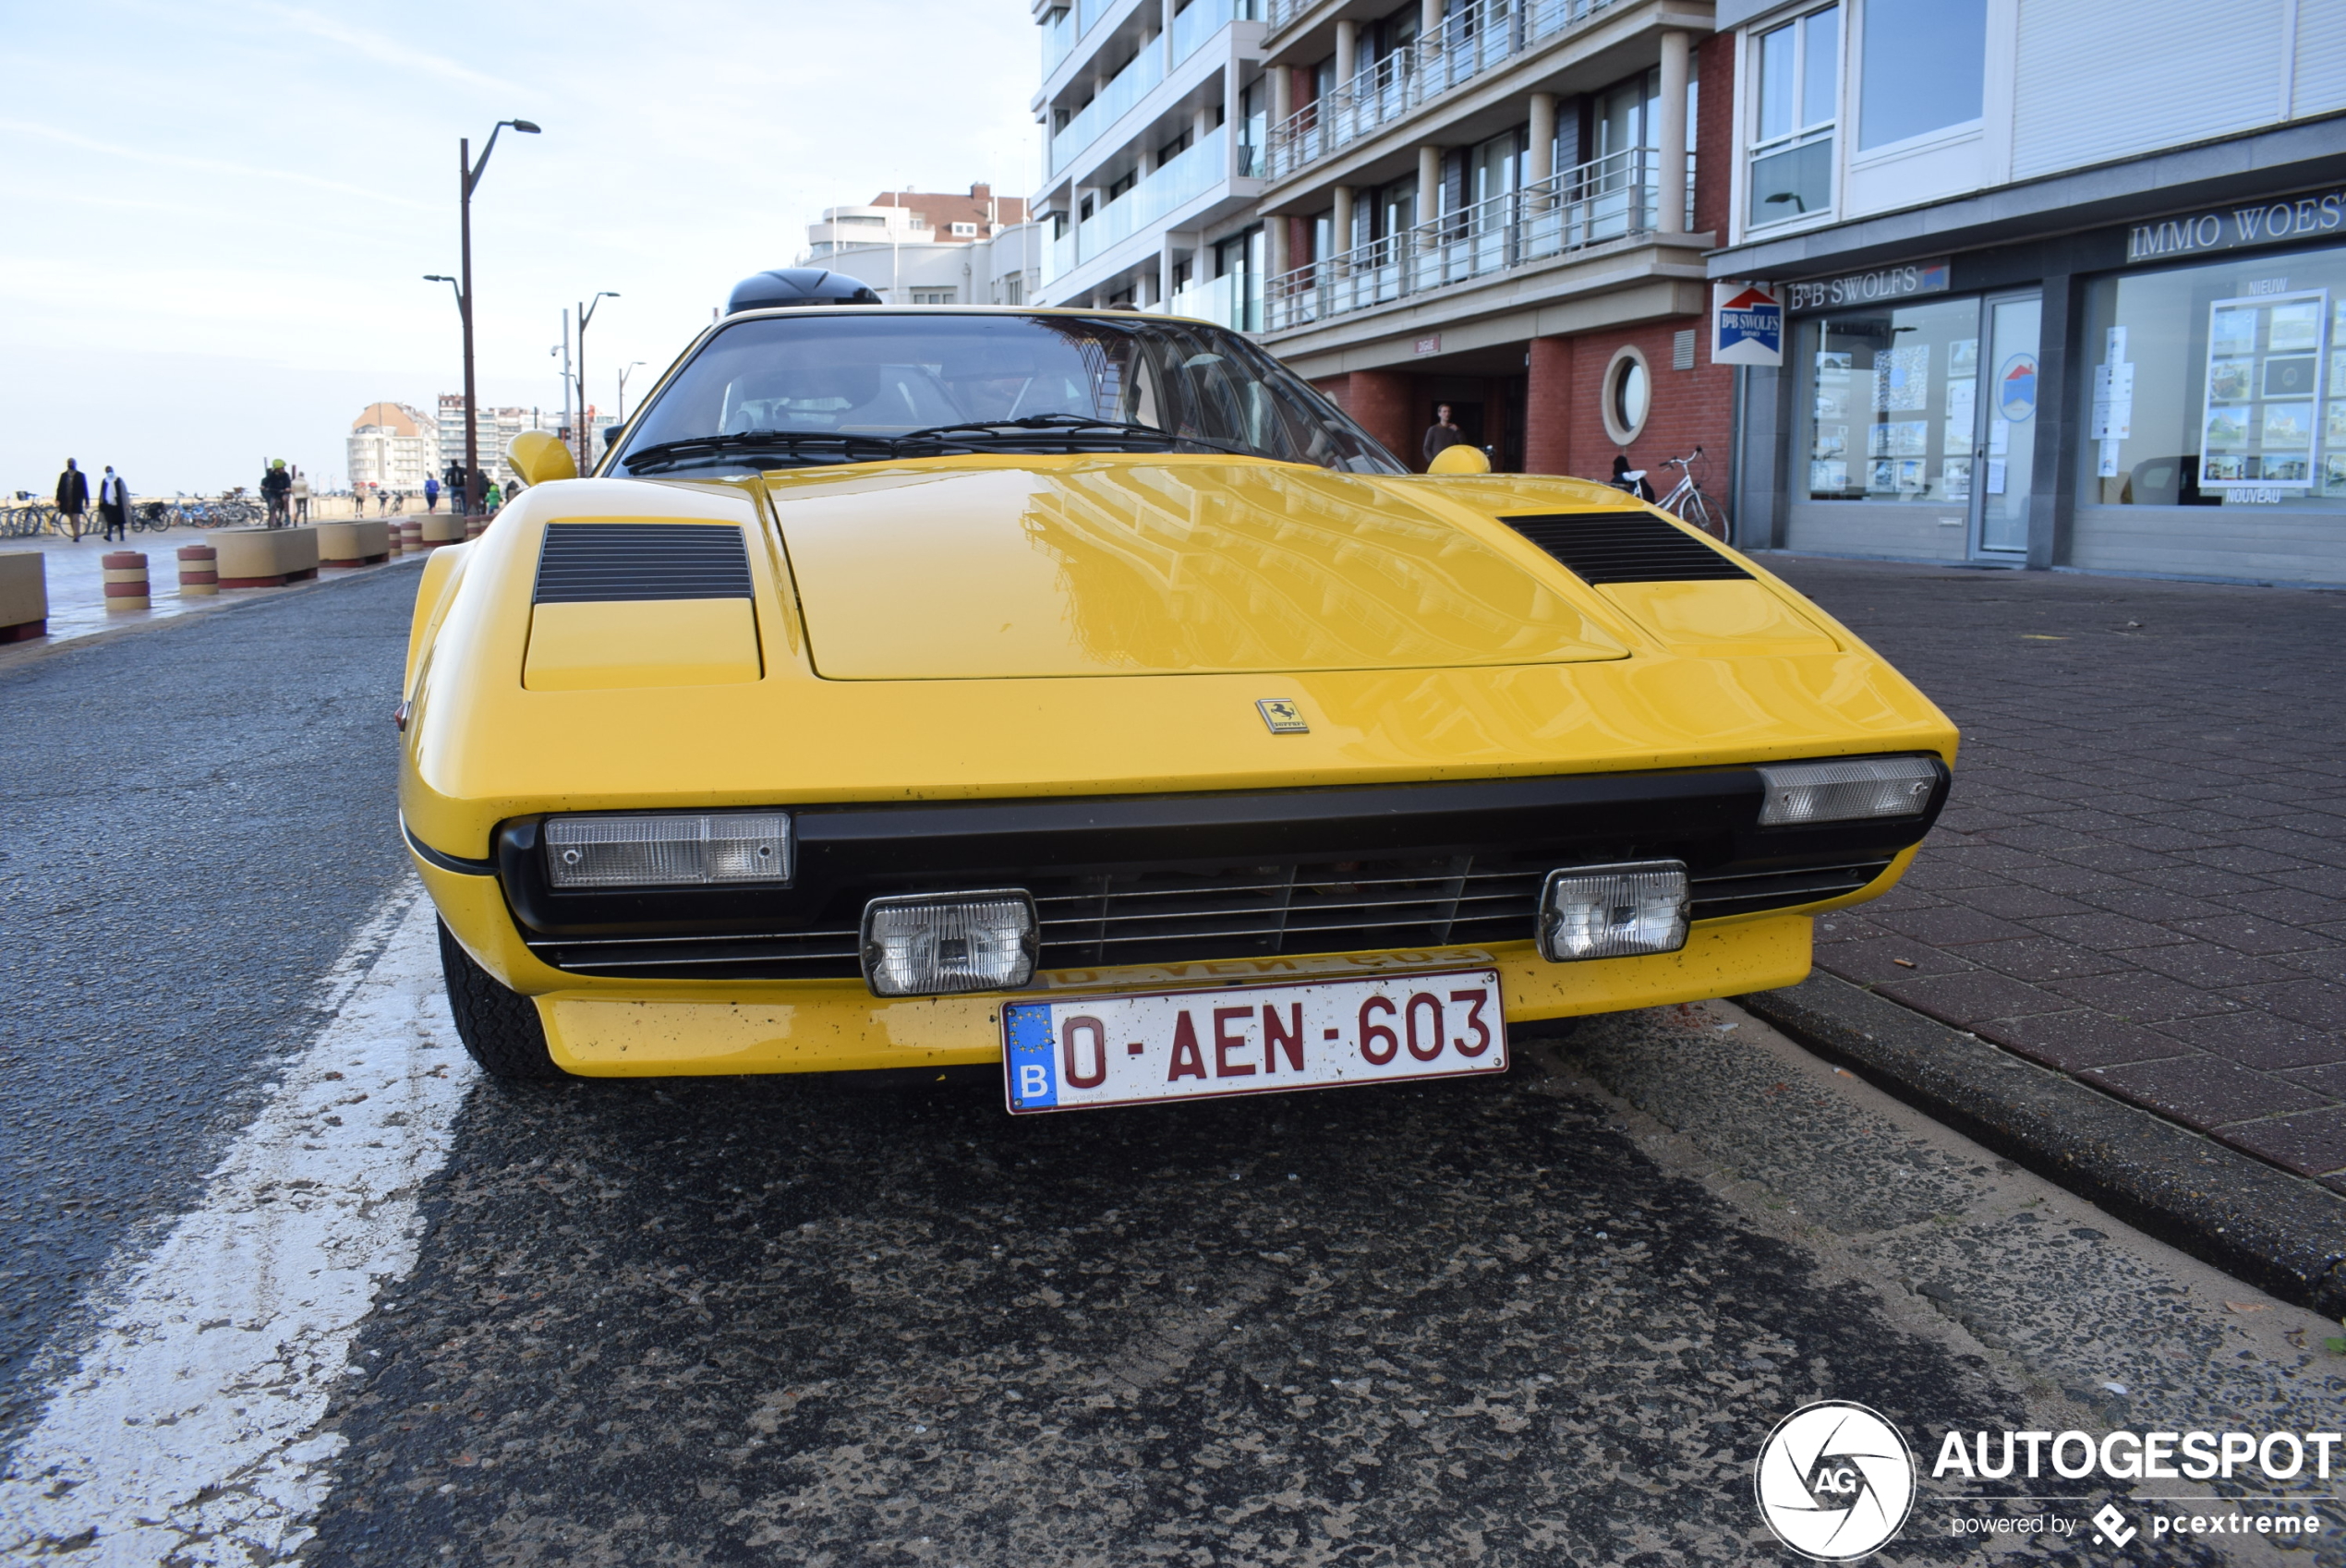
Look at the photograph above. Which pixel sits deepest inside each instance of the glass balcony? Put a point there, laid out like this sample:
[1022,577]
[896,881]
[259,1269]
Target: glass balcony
[1200,19]
[1059,37]
[1115,100]
[1233,300]
[1179,182]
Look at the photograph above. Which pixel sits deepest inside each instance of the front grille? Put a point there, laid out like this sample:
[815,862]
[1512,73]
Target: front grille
[1625,547]
[1191,914]
[605,562]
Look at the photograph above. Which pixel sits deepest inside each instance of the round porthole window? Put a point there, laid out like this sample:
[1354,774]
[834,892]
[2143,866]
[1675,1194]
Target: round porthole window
[1629,396]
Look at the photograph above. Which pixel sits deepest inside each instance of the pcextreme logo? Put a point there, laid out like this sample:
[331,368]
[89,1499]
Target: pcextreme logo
[1835,1481]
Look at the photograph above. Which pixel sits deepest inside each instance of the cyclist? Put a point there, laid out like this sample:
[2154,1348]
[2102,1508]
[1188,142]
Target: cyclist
[276,486]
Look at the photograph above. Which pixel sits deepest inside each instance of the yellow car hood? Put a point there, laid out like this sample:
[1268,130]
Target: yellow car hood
[1178,566]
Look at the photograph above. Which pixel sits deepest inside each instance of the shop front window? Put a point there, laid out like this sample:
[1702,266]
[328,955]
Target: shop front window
[1891,408]
[2219,385]
[1796,79]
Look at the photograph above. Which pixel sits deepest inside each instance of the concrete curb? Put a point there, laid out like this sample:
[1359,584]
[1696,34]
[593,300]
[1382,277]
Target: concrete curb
[2279,1232]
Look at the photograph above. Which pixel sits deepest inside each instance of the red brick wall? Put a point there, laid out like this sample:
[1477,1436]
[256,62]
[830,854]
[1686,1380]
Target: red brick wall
[1714,134]
[1383,403]
[1689,407]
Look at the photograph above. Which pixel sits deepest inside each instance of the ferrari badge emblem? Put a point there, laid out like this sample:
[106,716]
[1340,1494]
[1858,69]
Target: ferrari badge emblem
[1284,717]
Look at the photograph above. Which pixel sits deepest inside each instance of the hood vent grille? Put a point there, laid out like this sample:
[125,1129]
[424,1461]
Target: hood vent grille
[1625,547]
[606,562]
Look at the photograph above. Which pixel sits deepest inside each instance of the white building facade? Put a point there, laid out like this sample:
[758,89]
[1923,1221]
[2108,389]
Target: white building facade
[916,248]
[2066,284]
[393,446]
[1155,116]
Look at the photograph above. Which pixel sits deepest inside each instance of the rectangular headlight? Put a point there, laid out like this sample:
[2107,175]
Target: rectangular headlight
[934,944]
[1797,793]
[667,851]
[1613,912]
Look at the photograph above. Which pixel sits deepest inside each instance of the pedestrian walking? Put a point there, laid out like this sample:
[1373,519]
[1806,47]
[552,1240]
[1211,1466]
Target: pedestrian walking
[494,499]
[73,497]
[276,486]
[300,497]
[1443,434]
[113,504]
[382,503]
[431,495]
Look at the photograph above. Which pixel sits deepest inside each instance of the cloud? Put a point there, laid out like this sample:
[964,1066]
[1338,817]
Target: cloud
[205,166]
[387,51]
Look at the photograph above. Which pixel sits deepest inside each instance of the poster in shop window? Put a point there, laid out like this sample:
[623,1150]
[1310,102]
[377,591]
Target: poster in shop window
[2266,424]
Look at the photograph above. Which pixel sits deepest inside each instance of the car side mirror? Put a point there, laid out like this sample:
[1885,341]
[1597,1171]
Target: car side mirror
[537,457]
[1459,459]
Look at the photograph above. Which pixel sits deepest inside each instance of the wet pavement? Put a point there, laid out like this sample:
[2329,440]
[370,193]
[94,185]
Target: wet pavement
[2140,876]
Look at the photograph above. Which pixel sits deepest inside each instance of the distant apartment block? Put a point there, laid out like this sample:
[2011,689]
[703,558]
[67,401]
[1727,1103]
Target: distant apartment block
[1154,113]
[498,425]
[932,247]
[393,446]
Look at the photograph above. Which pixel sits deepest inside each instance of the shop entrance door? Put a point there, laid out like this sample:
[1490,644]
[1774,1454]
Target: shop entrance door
[2003,455]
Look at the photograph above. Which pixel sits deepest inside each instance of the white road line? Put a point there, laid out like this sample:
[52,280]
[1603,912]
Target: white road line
[188,1432]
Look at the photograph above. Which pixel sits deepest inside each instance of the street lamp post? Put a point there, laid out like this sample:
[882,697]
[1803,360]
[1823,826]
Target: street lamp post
[469,179]
[631,366]
[585,424]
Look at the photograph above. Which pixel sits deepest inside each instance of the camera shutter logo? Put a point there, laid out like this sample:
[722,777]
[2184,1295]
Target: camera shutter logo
[1835,1481]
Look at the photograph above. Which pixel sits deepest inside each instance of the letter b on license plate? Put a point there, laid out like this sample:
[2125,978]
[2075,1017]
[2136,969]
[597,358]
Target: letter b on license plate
[1091,1051]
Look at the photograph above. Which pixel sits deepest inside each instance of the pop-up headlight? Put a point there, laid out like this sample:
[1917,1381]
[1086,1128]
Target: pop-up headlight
[931,945]
[1613,912]
[1798,793]
[667,851]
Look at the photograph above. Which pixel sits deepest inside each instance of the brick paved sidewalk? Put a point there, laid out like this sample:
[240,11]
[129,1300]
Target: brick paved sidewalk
[2140,877]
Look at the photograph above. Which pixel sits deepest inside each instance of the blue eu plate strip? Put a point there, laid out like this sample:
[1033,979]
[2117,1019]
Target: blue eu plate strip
[1034,1077]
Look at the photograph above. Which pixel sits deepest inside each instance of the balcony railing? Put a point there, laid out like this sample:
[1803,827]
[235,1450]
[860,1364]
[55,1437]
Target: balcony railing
[1469,43]
[1181,180]
[1608,198]
[1059,37]
[1115,100]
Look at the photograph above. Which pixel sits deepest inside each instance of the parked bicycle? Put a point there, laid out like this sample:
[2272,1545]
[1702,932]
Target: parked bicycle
[1686,502]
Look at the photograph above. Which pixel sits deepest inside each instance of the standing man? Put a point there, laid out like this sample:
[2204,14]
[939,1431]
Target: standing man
[113,504]
[300,497]
[1441,434]
[73,497]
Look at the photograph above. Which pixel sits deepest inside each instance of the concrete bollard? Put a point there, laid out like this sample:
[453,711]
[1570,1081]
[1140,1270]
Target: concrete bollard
[24,596]
[475,526]
[411,535]
[341,545]
[126,581]
[441,528]
[266,558]
[198,570]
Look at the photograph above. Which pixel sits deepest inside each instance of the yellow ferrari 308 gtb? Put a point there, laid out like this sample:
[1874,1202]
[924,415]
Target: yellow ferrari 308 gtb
[1082,692]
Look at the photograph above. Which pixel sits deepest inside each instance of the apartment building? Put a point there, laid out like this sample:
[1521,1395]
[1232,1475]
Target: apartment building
[393,446]
[498,427]
[2065,285]
[1154,113]
[1503,205]
[926,248]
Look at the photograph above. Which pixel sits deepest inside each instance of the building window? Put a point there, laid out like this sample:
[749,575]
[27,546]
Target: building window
[933,295]
[1892,405]
[1014,289]
[2220,385]
[1628,396]
[964,231]
[1923,68]
[1795,79]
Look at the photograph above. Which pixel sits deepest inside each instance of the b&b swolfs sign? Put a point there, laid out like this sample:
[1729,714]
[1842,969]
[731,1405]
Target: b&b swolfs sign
[1747,325]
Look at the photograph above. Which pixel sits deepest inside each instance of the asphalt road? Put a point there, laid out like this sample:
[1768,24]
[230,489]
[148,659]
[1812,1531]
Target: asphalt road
[1545,1318]
[191,825]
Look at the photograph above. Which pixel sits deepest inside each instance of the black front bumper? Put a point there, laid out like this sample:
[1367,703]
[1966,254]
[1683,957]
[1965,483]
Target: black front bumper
[1184,878]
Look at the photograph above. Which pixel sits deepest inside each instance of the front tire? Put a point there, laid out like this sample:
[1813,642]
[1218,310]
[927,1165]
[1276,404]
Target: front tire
[499,1028]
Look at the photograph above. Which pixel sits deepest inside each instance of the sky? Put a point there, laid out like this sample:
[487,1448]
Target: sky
[221,213]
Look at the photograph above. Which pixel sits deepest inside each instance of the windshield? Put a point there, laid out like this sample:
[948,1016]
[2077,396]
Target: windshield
[777,392]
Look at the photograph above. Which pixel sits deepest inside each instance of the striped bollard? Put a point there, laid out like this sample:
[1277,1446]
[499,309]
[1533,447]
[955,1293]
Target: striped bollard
[198,570]
[411,535]
[397,541]
[126,581]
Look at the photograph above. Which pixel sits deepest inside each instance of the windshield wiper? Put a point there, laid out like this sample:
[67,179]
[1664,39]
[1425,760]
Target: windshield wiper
[1113,435]
[847,448]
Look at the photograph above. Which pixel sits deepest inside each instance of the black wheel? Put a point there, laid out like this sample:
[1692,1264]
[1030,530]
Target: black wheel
[499,1028]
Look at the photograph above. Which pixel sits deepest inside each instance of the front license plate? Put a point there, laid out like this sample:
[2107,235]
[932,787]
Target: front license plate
[1093,1051]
